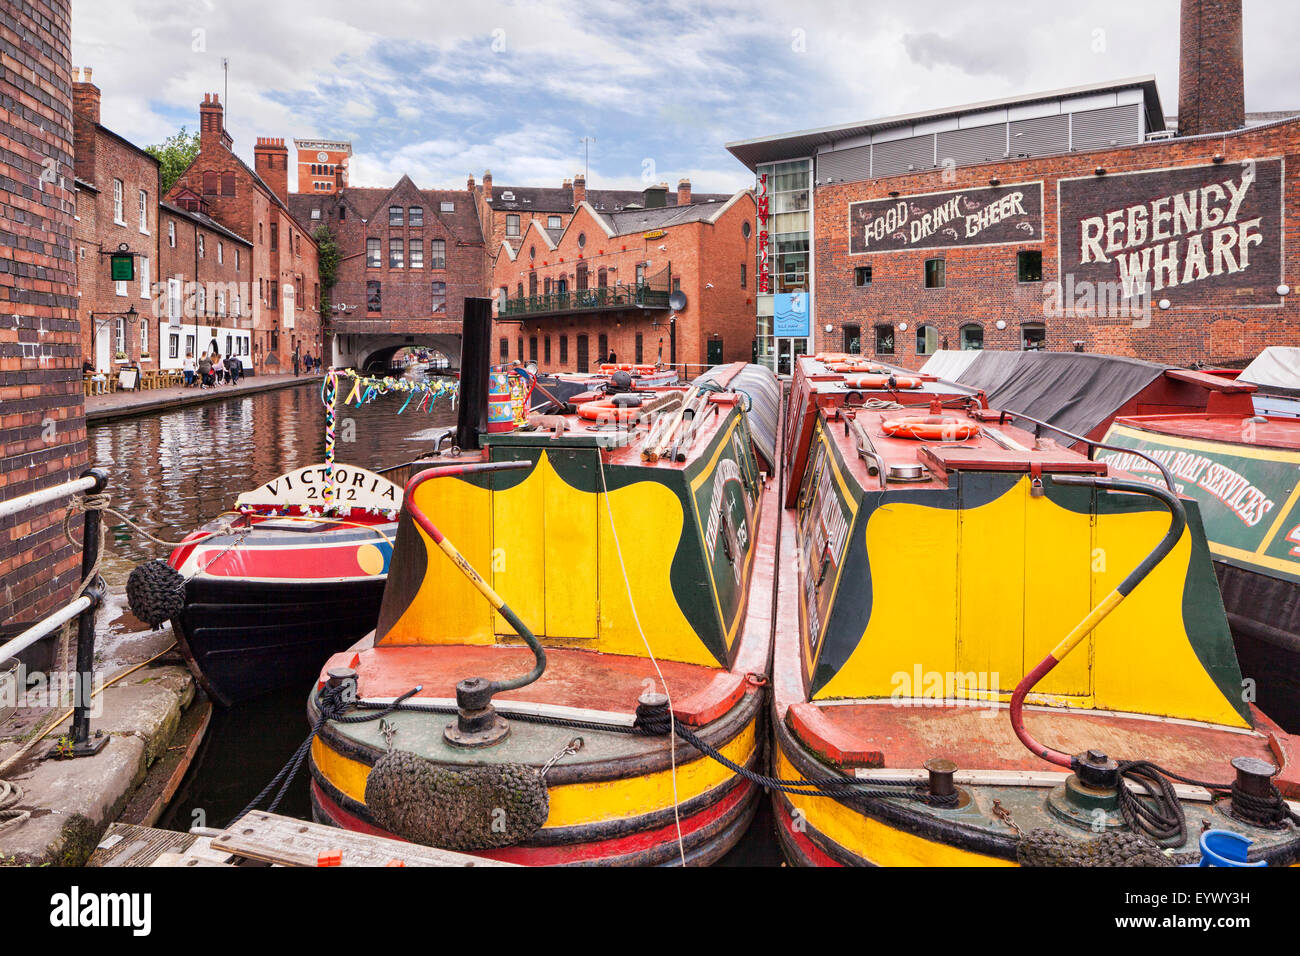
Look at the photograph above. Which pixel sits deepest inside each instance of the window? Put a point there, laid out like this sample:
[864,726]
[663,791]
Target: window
[227,184]
[395,258]
[553,222]
[677,284]
[221,252]
[315,213]
[201,249]
[273,289]
[1033,336]
[200,299]
[372,254]
[884,340]
[512,224]
[211,182]
[927,337]
[174,301]
[972,338]
[546,350]
[440,299]
[505,351]
[744,272]
[602,345]
[144,337]
[521,348]
[602,278]
[236,258]
[234,305]
[221,302]
[1029,266]
[853,339]
[532,348]
[445,206]
[862,276]
[437,253]
[119,288]
[934,275]
[171,233]
[417,253]
[117,203]
[189,345]
[119,336]
[746,229]
[640,349]
[275,236]
[145,290]
[144,212]
[374,296]
[582,240]
[173,346]
[394,215]
[564,350]
[415,215]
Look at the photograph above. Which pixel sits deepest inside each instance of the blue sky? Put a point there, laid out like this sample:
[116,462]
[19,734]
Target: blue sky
[441,89]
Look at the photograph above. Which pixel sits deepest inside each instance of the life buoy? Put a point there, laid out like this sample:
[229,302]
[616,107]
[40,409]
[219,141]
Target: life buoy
[605,411]
[930,428]
[882,381]
[643,370]
[852,367]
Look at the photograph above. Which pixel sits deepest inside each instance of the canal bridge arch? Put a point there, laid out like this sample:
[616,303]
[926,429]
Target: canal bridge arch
[362,351]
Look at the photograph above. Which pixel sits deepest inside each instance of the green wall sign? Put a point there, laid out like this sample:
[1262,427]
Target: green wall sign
[123,267]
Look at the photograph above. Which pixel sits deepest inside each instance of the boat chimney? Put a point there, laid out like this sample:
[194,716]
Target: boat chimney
[475,345]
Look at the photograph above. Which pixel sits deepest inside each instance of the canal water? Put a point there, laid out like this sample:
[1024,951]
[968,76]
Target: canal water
[175,470]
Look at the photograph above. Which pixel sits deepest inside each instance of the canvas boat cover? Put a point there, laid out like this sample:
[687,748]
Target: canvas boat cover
[1276,369]
[1077,391]
[949,364]
[764,390]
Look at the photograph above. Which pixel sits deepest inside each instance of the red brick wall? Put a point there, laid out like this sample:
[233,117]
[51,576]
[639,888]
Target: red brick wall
[42,428]
[1211,85]
[700,253]
[982,285]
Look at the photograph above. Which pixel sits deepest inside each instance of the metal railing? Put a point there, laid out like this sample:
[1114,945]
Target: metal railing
[82,607]
[617,297]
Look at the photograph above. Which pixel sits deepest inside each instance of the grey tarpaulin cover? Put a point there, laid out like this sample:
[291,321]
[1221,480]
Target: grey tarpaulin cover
[949,364]
[764,390]
[1276,369]
[989,369]
[1077,391]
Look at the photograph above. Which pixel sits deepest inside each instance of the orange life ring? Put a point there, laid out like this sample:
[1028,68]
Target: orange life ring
[644,369]
[930,428]
[605,411]
[882,381]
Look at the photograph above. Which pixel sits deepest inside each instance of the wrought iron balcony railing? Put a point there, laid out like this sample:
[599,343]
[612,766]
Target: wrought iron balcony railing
[558,303]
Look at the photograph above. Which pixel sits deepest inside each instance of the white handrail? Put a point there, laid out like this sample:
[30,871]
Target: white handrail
[43,627]
[45,495]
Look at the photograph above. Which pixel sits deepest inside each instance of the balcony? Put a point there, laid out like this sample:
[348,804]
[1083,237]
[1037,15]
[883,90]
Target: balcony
[587,300]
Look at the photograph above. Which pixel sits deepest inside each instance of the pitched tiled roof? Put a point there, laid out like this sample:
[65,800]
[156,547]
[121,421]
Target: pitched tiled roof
[370,204]
[546,199]
[203,219]
[630,221]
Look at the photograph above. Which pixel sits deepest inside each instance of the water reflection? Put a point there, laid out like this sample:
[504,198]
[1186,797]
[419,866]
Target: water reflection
[171,472]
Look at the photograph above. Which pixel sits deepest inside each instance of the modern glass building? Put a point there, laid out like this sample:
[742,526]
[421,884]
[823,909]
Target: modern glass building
[784,194]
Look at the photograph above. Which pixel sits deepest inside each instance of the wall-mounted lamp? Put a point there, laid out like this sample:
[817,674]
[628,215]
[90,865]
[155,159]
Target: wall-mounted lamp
[1099,171]
[1284,289]
[1164,304]
[1218,157]
[902,326]
[1001,324]
[894,193]
[995,181]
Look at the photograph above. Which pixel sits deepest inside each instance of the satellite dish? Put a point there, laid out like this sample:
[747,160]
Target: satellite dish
[677,301]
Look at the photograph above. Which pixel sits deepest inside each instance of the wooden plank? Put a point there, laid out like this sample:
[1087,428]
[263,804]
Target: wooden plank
[272,838]
[126,845]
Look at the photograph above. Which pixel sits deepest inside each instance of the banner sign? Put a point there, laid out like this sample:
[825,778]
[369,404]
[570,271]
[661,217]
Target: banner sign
[764,270]
[1191,234]
[989,216]
[790,314]
[1247,493]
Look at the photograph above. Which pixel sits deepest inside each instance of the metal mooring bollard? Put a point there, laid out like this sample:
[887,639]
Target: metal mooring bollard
[83,744]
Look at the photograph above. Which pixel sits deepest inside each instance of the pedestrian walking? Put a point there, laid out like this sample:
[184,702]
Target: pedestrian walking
[295,362]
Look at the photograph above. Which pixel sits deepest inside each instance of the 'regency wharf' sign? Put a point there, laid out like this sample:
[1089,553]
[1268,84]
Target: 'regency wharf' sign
[1187,233]
[986,216]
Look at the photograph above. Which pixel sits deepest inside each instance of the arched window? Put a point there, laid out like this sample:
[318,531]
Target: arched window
[602,278]
[211,182]
[1033,336]
[581,275]
[972,337]
[532,284]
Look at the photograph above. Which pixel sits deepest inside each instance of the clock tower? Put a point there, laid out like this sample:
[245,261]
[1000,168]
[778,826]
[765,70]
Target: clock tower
[322,165]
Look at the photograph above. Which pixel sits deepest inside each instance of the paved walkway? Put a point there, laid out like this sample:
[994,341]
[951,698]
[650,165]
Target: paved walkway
[123,404]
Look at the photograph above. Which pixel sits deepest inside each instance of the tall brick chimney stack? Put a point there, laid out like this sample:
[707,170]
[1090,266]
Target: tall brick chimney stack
[1211,88]
[579,189]
[271,160]
[683,192]
[469,183]
[487,185]
[85,95]
[212,123]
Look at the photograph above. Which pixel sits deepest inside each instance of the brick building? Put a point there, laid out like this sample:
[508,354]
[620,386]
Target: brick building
[667,283]
[1069,219]
[408,259]
[284,279]
[505,211]
[322,165]
[117,211]
[204,288]
[42,426]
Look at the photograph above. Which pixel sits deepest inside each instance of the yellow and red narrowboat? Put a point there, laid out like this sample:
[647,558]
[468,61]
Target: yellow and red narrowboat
[548,594]
[991,650]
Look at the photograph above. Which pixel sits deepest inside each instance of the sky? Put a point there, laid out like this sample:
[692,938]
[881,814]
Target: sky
[441,90]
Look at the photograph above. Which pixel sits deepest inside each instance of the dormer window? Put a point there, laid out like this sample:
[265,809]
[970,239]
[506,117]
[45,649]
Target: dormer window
[508,196]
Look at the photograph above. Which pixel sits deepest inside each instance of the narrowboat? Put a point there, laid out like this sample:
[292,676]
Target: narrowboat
[991,650]
[1244,473]
[1275,373]
[277,583]
[553,597]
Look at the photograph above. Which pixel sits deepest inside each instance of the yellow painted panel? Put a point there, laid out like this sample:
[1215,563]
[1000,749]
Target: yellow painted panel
[1058,546]
[570,555]
[872,840]
[913,567]
[448,609]
[991,599]
[575,804]
[648,519]
[518,530]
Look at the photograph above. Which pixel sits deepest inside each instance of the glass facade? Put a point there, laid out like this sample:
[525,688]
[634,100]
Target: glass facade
[784,193]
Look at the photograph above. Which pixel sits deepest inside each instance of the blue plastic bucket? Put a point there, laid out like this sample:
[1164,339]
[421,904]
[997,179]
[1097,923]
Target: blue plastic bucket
[1225,848]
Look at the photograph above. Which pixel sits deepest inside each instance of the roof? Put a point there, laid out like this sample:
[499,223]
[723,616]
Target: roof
[203,219]
[630,221]
[368,202]
[560,200]
[795,145]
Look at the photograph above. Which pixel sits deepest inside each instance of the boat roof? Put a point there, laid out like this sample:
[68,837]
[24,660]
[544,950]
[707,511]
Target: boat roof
[1259,430]
[1276,369]
[764,393]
